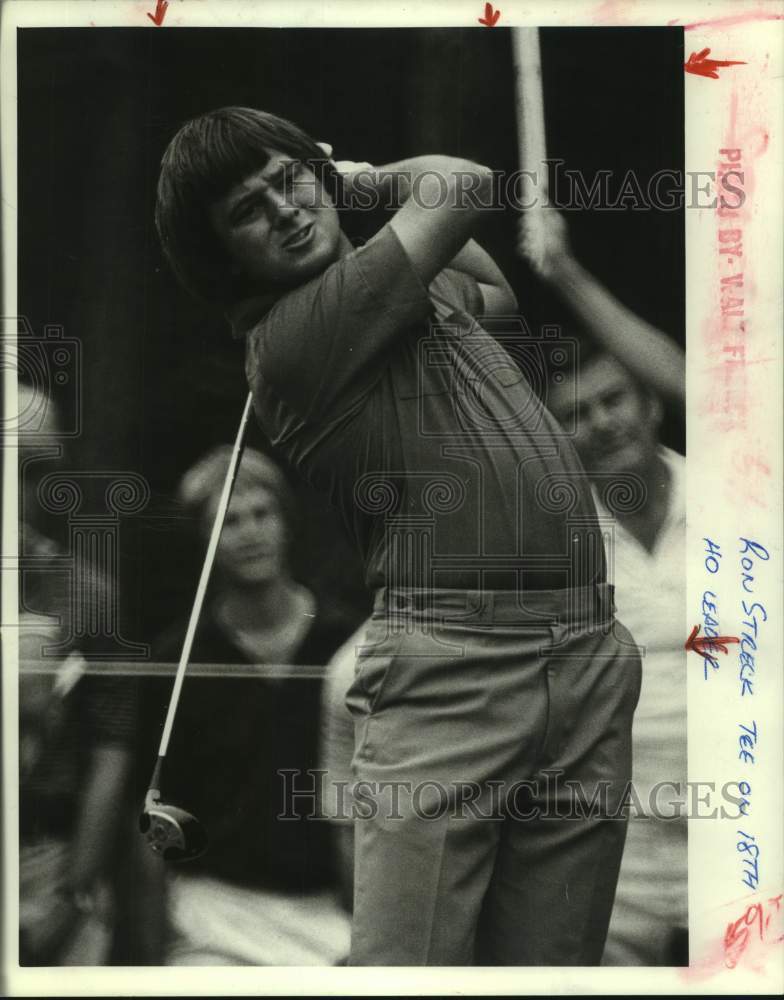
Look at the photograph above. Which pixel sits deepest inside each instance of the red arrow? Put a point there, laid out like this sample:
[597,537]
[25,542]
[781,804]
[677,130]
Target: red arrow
[160,13]
[491,16]
[700,65]
[699,645]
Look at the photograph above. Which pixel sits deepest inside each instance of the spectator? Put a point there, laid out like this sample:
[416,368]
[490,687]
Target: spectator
[632,370]
[75,734]
[337,750]
[264,893]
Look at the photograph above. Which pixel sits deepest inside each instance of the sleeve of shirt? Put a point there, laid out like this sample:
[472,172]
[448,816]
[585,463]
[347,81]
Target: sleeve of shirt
[324,344]
[455,290]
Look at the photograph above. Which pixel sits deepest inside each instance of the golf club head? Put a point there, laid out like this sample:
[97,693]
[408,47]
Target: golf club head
[171,832]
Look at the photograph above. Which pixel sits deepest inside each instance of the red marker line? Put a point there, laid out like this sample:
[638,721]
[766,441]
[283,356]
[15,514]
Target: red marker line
[726,22]
[718,642]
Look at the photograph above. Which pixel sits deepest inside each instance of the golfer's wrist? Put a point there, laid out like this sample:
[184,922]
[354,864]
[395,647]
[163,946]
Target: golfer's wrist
[565,271]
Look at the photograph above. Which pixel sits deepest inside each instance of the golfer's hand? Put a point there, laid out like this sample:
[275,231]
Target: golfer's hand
[543,241]
[344,167]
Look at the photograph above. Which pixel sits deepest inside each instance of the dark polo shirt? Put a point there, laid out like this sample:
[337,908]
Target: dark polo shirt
[418,425]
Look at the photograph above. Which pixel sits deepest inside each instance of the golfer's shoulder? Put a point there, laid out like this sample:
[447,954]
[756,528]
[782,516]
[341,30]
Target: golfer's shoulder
[363,298]
[319,302]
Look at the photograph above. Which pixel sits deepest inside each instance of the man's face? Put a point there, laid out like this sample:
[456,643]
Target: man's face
[278,225]
[616,423]
[252,546]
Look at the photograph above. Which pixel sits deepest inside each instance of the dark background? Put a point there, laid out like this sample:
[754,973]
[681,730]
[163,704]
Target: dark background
[162,380]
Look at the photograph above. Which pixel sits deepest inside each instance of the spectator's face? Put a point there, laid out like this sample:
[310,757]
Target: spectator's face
[253,541]
[616,422]
[278,225]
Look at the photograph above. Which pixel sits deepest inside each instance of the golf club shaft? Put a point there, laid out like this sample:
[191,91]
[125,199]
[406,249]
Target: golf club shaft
[209,559]
[529,98]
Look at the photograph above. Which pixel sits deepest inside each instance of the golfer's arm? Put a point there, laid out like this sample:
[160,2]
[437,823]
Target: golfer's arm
[497,295]
[650,355]
[432,222]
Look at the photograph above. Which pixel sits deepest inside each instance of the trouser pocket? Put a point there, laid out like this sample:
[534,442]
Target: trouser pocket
[373,665]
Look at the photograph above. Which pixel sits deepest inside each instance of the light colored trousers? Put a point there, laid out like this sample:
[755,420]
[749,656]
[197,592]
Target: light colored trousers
[468,693]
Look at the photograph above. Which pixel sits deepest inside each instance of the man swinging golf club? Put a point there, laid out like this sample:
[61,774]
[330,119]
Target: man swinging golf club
[492,670]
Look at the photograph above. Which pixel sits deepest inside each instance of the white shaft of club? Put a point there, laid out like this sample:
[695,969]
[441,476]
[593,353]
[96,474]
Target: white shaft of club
[532,146]
[204,579]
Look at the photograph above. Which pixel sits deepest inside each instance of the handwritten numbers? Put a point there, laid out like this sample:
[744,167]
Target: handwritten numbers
[760,922]
[748,847]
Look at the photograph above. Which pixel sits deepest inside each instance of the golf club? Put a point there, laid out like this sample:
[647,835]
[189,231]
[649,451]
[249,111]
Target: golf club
[170,831]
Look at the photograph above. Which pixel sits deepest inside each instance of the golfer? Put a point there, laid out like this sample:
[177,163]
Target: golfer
[494,686]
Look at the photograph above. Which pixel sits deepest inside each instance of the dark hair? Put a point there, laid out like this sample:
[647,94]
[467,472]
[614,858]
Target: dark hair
[589,352]
[204,479]
[592,352]
[207,157]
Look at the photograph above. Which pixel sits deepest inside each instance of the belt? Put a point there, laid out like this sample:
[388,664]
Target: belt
[574,607]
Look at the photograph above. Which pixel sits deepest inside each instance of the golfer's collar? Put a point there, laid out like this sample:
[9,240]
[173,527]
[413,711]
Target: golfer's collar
[247,313]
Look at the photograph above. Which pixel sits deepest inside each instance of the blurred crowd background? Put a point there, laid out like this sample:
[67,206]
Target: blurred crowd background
[157,383]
